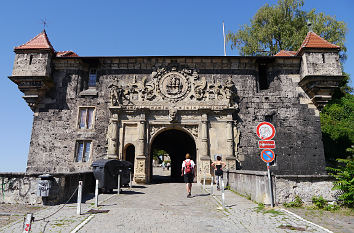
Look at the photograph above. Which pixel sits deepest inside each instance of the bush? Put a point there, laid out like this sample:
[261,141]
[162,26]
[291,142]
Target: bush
[319,202]
[296,203]
[344,175]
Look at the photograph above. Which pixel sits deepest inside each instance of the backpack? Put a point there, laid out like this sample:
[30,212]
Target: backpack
[188,167]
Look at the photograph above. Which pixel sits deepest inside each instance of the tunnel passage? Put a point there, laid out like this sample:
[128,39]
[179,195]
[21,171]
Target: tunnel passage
[176,143]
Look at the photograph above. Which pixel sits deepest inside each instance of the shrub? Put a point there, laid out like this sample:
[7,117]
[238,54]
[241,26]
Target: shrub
[296,203]
[344,175]
[319,202]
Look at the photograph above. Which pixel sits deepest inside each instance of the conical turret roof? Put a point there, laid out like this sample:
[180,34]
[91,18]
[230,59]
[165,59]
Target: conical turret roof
[40,41]
[313,40]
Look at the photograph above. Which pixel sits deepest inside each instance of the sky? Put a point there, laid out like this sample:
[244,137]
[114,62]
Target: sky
[122,28]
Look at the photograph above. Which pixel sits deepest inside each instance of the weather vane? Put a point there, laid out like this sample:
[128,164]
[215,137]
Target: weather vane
[44,22]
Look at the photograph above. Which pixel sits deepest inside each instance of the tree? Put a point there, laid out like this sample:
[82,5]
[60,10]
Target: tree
[284,27]
[337,124]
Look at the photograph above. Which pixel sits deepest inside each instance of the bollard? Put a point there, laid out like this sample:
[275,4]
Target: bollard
[79,197]
[28,223]
[130,180]
[96,194]
[211,186]
[223,193]
[204,183]
[118,184]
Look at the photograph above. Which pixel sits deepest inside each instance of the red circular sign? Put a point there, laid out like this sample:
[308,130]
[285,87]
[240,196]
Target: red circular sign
[265,131]
[267,155]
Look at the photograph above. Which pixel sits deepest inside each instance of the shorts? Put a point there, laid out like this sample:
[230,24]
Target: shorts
[188,178]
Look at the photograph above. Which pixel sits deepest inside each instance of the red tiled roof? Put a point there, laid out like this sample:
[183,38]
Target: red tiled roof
[284,53]
[66,54]
[313,40]
[40,41]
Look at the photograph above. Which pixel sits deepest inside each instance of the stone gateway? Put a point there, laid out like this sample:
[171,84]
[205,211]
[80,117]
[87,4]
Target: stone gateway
[89,108]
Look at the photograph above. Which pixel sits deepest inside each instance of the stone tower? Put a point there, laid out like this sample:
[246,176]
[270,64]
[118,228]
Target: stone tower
[320,69]
[32,69]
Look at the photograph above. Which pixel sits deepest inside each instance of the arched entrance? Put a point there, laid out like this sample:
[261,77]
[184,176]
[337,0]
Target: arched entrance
[176,143]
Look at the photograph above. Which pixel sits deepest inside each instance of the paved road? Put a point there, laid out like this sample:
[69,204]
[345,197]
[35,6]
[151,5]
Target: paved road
[165,208]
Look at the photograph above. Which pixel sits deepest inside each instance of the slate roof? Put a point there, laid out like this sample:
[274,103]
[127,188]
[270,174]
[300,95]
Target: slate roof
[40,41]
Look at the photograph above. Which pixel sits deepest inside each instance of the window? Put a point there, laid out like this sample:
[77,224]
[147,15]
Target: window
[31,59]
[83,151]
[86,116]
[263,77]
[92,78]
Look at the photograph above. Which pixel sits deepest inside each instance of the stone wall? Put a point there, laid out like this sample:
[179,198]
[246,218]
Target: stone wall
[22,187]
[55,128]
[254,184]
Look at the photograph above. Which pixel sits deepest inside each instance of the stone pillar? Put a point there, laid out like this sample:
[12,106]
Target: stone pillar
[230,156]
[112,137]
[140,174]
[204,166]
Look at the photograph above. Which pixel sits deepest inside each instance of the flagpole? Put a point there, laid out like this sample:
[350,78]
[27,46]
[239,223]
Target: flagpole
[223,32]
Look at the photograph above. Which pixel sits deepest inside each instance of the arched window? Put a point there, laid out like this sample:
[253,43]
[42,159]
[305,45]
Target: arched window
[130,153]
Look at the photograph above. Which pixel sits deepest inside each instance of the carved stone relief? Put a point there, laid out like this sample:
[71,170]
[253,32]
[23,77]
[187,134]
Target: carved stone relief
[174,84]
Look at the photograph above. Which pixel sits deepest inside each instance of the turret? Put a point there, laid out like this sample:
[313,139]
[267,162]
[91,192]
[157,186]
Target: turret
[320,69]
[32,69]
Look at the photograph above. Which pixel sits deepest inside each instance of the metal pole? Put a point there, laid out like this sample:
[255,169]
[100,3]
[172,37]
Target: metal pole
[130,180]
[96,194]
[27,223]
[118,183]
[204,182]
[222,194]
[211,185]
[270,186]
[79,197]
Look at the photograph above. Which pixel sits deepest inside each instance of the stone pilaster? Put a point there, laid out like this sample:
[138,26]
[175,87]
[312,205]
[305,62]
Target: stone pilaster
[230,156]
[140,171]
[204,166]
[112,137]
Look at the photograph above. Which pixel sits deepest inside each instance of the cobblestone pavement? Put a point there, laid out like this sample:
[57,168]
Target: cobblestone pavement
[165,208]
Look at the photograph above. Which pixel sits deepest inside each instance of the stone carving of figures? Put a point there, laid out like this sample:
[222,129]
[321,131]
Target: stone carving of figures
[172,114]
[199,88]
[230,91]
[147,89]
[116,95]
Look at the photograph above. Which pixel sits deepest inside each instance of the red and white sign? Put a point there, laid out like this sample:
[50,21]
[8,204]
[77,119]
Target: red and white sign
[266,144]
[265,131]
[267,155]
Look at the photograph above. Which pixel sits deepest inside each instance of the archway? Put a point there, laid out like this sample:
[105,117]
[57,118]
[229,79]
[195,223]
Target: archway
[130,153]
[176,143]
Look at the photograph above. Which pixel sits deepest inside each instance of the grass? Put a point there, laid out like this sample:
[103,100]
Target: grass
[262,209]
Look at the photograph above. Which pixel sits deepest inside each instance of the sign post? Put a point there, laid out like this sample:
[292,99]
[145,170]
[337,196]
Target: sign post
[266,132]
[270,186]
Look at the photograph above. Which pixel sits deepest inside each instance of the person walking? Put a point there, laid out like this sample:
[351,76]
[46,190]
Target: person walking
[218,166]
[188,172]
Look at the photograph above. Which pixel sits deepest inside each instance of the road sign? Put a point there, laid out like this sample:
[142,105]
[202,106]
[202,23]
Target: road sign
[267,155]
[266,144]
[265,131]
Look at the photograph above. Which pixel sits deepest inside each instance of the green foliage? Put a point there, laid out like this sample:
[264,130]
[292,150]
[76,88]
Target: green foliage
[157,153]
[284,27]
[319,202]
[337,124]
[344,175]
[296,203]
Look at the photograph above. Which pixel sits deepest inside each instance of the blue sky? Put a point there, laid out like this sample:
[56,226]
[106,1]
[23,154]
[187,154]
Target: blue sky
[127,28]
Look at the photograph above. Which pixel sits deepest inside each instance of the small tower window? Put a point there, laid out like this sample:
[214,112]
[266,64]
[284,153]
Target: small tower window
[323,58]
[92,78]
[30,59]
[263,77]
